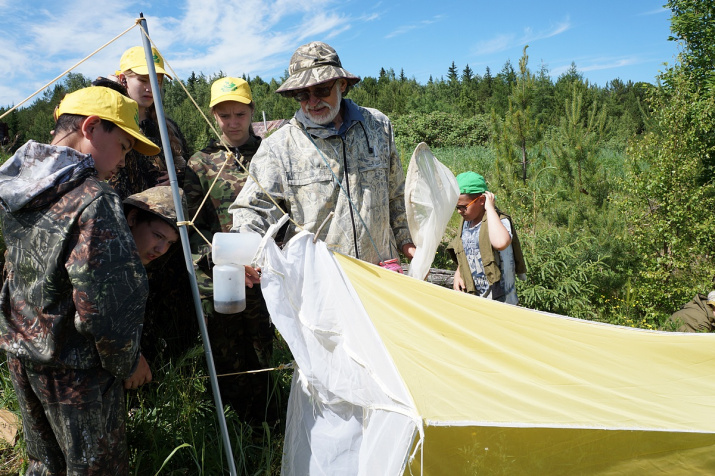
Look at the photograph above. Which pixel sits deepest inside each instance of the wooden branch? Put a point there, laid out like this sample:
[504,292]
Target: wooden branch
[440,277]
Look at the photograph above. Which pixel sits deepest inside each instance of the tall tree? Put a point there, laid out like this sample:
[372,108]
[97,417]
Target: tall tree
[452,74]
[693,25]
[519,130]
[670,192]
[467,74]
[577,140]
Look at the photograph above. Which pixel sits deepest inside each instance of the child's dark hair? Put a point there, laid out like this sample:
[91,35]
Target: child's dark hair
[69,123]
[111,84]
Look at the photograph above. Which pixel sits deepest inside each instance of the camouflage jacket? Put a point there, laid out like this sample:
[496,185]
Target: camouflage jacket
[75,288]
[201,170]
[363,163]
[140,171]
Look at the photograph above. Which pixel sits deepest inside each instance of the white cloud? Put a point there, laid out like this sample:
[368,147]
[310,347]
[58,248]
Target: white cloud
[494,45]
[612,64]
[244,39]
[584,65]
[506,41]
[401,30]
[370,17]
[656,11]
[250,37]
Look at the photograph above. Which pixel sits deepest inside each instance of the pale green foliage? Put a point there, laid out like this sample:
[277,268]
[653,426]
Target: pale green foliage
[670,197]
[560,276]
[576,141]
[440,129]
[668,193]
[520,128]
[693,24]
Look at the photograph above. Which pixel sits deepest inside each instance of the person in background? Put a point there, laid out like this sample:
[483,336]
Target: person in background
[141,171]
[73,297]
[242,341]
[698,315]
[333,156]
[486,250]
[170,300]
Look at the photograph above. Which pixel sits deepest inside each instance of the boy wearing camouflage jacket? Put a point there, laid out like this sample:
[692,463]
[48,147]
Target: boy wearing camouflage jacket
[242,341]
[73,297]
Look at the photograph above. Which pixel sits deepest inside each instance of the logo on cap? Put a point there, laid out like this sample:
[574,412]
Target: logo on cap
[156,58]
[228,87]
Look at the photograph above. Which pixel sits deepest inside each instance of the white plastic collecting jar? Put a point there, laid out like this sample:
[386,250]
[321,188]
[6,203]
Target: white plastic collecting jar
[230,252]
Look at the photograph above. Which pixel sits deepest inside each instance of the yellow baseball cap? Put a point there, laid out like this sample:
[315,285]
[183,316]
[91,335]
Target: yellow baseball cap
[230,89]
[112,106]
[134,59]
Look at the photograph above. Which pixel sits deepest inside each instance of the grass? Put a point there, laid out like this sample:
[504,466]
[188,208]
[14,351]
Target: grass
[173,426]
[12,457]
[173,429]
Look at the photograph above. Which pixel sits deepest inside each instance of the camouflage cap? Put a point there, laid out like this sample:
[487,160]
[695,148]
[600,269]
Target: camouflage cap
[312,64]
[157,200]
[711,298]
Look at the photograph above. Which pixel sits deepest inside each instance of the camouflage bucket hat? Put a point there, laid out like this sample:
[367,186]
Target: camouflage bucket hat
[312,64]
[159,201]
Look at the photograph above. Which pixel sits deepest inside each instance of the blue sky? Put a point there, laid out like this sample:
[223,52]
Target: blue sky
[608,39]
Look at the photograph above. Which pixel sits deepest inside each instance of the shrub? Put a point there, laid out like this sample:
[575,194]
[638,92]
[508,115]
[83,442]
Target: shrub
[440,129]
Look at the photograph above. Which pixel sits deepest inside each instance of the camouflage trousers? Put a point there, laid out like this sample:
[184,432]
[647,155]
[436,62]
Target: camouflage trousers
[240,342]
[73,419]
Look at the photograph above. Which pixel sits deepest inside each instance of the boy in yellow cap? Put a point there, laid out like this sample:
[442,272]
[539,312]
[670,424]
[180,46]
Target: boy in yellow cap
[73,299]
[242,341]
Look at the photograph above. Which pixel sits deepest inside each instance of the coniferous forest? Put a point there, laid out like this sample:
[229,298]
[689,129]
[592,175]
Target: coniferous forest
[558,154]
[610,187]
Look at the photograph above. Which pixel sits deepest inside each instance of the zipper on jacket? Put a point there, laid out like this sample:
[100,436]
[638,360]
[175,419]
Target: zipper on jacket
[350,200]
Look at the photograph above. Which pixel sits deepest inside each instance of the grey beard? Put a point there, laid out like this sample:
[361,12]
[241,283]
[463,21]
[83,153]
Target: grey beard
[334,111]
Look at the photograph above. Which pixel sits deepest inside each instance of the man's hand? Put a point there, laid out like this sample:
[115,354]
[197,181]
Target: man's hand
[458,283]
[408,249]
[141,375]
[163,179]
[253,276]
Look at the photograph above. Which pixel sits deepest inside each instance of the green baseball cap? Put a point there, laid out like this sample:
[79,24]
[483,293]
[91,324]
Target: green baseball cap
[471,183]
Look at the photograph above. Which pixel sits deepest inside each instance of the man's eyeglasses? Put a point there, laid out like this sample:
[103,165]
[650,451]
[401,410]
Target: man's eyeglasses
[318,92]
[463,208]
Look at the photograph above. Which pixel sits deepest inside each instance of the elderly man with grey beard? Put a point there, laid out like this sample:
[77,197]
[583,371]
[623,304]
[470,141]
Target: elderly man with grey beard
[333,156]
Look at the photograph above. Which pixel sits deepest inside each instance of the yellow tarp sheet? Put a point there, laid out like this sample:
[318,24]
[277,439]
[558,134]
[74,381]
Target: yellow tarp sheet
[508,390]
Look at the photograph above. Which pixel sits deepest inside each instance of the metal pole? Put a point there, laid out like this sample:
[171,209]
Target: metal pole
[173,182]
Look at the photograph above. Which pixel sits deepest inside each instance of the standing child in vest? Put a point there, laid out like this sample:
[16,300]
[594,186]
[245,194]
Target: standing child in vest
[487,250]
[73,298]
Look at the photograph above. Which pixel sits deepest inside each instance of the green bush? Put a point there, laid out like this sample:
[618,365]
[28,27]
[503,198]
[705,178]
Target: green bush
[440,129]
